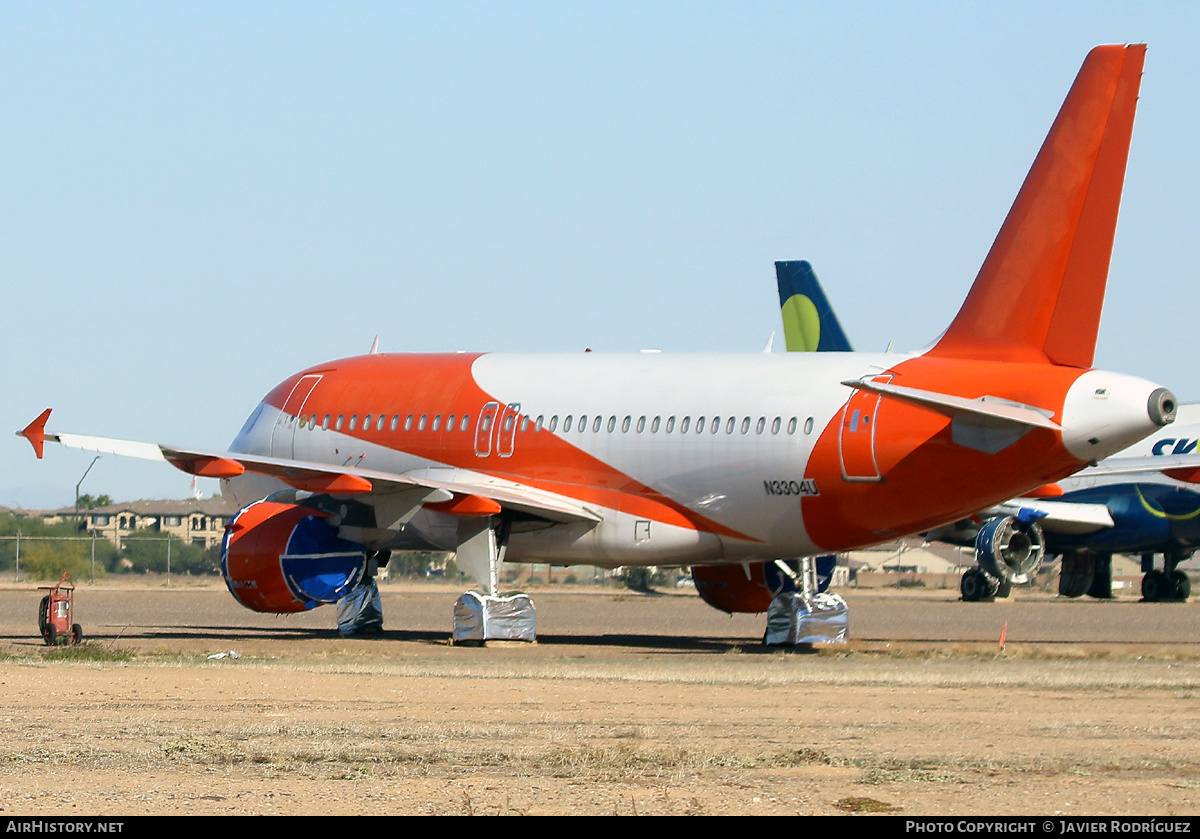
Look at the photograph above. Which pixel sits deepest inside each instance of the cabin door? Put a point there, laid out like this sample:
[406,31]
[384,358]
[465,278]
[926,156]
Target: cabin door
[283,435]
[856,437]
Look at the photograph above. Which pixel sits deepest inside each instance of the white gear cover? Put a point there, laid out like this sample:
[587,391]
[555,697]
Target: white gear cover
[793,618]
[481,617]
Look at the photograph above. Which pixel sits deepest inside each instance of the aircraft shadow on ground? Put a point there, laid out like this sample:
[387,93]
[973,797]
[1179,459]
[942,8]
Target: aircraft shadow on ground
[227,634]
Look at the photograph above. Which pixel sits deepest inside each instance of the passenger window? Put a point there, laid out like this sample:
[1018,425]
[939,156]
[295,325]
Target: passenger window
[437,423]
[508,422]
[596,424]
[762,424]
[325,422]
[337,426]
[699,425]
[746,425]
[654,426]
[465,422]
[395,421]
[612,424]
[450,423]
[808,425]
[775,425]
[683,425]
[582,423]
[729,423]
[641,425]
[312,421]
[567,423]
[421,422]
[353,421]
[670,424]
[537,426]
[485,424]
[524,424]
[379,422]
[554,423]
[367,423]
[408,423]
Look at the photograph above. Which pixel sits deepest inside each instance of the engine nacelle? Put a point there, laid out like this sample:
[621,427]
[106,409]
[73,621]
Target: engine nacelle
[1010,548]
[751,588]
[728,588]
[288,558]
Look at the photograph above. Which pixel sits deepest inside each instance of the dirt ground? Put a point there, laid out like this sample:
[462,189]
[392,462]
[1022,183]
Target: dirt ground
[628,704]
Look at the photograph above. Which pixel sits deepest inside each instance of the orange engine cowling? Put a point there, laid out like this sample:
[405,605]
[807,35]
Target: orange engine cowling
[287,558]
[752,587]
[730,589]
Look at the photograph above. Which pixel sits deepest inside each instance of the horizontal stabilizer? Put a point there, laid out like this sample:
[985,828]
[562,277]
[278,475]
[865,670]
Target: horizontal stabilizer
[994,410]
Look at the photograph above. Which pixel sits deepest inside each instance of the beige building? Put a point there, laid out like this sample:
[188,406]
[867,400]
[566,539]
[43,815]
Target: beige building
[199,522]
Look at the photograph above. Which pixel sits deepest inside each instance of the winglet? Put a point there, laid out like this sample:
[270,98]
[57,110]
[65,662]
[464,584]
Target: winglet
[1039,293]
[809,323]
[35,432]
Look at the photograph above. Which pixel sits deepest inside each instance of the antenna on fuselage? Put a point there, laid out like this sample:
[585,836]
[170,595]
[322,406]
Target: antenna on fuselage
[375,346]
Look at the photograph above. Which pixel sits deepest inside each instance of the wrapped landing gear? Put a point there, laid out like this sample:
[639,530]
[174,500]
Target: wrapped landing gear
[485,616]
[361,610]
[805,616]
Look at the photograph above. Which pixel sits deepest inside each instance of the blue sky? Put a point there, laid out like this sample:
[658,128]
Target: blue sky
[198,200]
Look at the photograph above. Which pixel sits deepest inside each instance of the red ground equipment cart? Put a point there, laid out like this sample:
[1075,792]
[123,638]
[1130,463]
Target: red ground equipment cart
[56,612]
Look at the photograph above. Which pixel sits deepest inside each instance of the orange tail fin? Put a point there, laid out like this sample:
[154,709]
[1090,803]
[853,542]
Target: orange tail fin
[1039,293]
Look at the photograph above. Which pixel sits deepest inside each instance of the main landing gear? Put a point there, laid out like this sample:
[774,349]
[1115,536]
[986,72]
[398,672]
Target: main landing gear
[977,584]
[1167,584]
[485,616]
[361,610]
[1083,573]
[1009,550]
[1091,574]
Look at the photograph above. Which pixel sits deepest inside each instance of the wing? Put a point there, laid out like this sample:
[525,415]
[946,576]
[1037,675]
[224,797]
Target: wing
[1178,466]
[448,488]
[1065,517]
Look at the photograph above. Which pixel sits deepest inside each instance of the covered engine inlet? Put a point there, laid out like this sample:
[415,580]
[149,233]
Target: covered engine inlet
[288,558]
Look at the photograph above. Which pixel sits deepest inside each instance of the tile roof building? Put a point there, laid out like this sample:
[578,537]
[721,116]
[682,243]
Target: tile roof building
[200,522]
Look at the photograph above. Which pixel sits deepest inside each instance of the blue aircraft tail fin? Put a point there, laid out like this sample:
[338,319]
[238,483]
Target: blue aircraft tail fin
[809,324]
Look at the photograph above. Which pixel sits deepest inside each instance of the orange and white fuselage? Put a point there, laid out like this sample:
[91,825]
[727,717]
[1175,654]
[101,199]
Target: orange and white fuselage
[708,458]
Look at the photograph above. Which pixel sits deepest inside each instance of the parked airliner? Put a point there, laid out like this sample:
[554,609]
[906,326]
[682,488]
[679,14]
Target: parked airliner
[670,459]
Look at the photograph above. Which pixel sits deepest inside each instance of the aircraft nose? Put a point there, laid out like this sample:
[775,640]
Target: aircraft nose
[1162,406]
